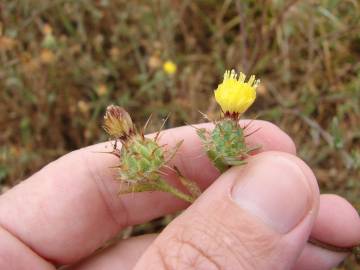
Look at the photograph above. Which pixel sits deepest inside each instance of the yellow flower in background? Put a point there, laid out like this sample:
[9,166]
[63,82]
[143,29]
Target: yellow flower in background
[234,95]
[169,67]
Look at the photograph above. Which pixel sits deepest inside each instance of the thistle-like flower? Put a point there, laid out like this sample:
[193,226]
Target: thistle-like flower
[234,95]
[141,159]
[225,144]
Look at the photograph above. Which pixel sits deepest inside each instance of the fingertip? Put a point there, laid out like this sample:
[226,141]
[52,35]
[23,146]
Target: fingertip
[338,222]
[307,171]
[268,182]
[316,258]
[271,137]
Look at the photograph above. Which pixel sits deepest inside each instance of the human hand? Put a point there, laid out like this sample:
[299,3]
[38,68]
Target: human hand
[258,216]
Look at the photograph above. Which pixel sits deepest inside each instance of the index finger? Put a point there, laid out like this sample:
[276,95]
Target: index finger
[71,207]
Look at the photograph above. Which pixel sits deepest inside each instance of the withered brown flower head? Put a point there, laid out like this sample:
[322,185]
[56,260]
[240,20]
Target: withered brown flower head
[118,123]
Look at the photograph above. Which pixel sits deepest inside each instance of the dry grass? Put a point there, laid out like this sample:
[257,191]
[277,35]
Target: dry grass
[54,89]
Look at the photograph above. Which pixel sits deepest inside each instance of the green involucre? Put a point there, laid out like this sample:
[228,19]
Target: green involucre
[225,145]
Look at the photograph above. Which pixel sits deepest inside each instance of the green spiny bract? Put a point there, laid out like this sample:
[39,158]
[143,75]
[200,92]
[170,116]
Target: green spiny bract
[141,161]
[225,144]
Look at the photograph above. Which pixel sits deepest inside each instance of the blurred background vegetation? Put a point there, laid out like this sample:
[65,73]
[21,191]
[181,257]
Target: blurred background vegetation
[62,62]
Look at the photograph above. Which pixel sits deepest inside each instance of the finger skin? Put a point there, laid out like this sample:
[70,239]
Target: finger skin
[11,251]
[217,232]
[71,207]
[311,258]
[122,256]
[126,254]
[337,224]
[316,258]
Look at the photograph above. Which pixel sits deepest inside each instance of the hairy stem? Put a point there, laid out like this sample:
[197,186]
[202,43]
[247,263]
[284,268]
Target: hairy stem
[218,162]
[191,186]
[162,185]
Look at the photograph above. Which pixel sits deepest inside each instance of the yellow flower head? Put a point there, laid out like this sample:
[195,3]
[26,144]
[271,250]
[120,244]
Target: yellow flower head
[169,67]
[234,95]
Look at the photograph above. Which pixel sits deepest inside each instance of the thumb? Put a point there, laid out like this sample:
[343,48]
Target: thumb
[258,216]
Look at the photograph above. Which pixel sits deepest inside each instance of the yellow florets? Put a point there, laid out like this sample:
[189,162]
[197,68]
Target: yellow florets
[169,67]
[234,95]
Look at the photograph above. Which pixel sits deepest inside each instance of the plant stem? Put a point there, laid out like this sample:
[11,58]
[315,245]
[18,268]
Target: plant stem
[218,162]
[166,187]
[220,165]
[191,186]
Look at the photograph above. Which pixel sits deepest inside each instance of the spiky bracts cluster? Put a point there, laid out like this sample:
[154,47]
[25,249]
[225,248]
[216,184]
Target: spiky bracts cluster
[141,163]
[141,159]
[225,145]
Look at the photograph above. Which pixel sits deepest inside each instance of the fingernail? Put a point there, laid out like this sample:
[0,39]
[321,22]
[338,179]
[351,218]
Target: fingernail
[274,189]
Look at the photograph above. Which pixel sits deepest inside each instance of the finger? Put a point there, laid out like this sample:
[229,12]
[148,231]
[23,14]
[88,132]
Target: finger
[337,224]
[57,210]
[12,248]
[258,216]
[316,258]
[125,254]
[122,256]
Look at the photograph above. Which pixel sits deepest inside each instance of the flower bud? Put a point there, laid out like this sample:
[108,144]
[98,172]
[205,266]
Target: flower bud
[118,123]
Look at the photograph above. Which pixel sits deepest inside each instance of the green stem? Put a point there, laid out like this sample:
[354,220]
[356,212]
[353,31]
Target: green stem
[220,165]
[162,185]
[218,162]
[191,186]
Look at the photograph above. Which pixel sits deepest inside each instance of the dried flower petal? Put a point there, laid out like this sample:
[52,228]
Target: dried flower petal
[118,123]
